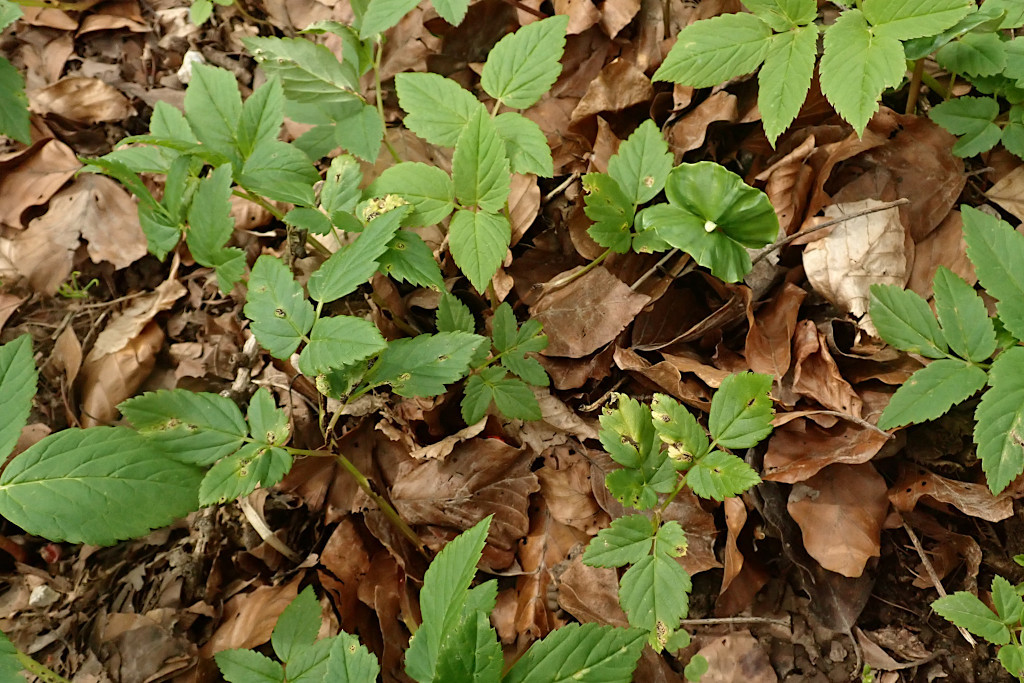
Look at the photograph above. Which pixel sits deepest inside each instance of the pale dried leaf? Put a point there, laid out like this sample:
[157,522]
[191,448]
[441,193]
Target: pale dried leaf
[618,86]
[110,378]
[975,500]
[130,322]
[249,618]
[736,657]
[800,449]
[34,177]
[82,100]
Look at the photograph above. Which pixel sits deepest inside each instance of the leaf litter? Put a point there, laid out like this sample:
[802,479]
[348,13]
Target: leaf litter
[817,549]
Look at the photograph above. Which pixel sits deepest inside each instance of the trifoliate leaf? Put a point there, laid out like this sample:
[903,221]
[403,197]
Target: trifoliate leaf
[1006,601]
[409,259]
[89,478]
[999,432]
[427,188]
[904,320]
[642,164]
[350,662]
[470,651]
[480,169]
[677,427]
[438,108]
[654,592]
[195,427]
[479,241]
[576,653]
[246,666]
[279,313]
[721,475]
[213,108]
[967,611]
[741,411]
[626,541]
[973,120]
[524,65]
[297,627]
[610,209]
[628,436]
[422,365]
[527,148]
[963,317]
[239,474]
[309,72]
[280,171]
[931,391]
[339,341]
[914,18]
[785,78]
[210,227]
[18,379]
[995,249]
[261,119]
[783,15]
[453,315]
[14,115]
[267,423]
[712,51]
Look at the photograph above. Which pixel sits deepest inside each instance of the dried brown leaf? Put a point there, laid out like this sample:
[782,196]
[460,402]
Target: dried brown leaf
[33,177]
[975,500]
[816,375]
[249,618]
[736,657]
[110,378]
[689,132]
[618,86]
[800,449]
[770,336]
[81,100]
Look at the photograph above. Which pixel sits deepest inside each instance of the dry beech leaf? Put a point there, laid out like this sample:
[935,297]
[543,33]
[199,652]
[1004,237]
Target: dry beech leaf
[249,618]
[591,594]
[856,254]
[53,18]
[589,312]
[975,500]
[788,184]
[130,322]
[8,305]
[44,253]
[800,449]
[770,336]
[840,512]
[944,246]
[616,15]
[558,425]
[736,657]
[82,100]
[67,354]
[110,378]
[689,133]
[109,221]
[1009,192]
[816,375]
[741,579]
[618,86]
[523,204]
[582,14]
[441,449]
[33,178]
[565,485]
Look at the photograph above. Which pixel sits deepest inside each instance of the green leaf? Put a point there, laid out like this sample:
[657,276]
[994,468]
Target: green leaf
[445,590]
[210,227]
[1013,133]
[340,192]
[470,651]
[246,666]
[213,108]
[162,233]
[480,169]
[1014,12]
[576,653]
[267,423]
[525,64]
[511,396]
[527,368]
[427,188]
[967,611]
[654,591]
[626,541]
[18,379]
[783,15]
[409,258]
[280,171]
[297,626]
[438,108]
[1012,659]
[308,72]
[452,11]
[350,662]
[453,315]
[262,116]
[857,66]
[906,19]
[477,396]
[677,427]
[280,314]
[309,219]
[628,436]
[904,320]
[996,251]
[478,242]
[976,54]
[14,118]
[931,391]
[504,327]
[527,148]
[696,668]
[194,427]
[361,132]
[971,118]
[382,15]
[89,478]
[422,365]
[309,665]
[9,13]
[1007,603]
[339,341]
[741,410]
[713,216]
[611,210]
[239,474]
[10,665]
[712,51]
[642,164]
[963,317]
[353,265]
[999,432]
[785,78]
[721,475]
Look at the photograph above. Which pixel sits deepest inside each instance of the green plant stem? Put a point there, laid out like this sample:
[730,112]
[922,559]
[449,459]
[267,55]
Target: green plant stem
[377,60]
[43,673]
[579,273]
[934,84]
[915,87]
[260,201]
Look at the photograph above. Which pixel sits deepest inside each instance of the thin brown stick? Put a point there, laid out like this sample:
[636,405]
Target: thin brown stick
[526,8]
[735,620]
[915,87]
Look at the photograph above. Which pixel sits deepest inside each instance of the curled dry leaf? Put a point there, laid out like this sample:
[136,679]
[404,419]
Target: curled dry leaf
[130,322]
[33,177]
[591,594]
[565,485]
[840,512]
[816,375]
[944,246]
[770,335]
[788,184]
[736,657]
[689,133]
[1009,192]
[800,449]
[81,100]
[616,15]
[110,378]
[742,579]
[975,500]
[618,86]
[109,221]
[249,618]
[582,14]
[523,204]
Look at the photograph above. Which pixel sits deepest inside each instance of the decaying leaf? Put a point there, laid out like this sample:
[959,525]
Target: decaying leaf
[975,500]
[82,100]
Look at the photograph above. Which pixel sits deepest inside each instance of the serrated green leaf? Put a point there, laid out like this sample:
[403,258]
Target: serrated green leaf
[611,210]
[906,19]
[445,589]
[239,474]
[721,475]
[262,116]
[1006,601]
[1012,658]
[309,219]
[452,11]
[527,368]
[741,411]
[1013,133]
[339,341]
[309,665]
[409,259]
[971,118]
[280,313]
[996,251]
[353,265]
[14,117]
[350,662]
[626,541]
[9,13]
[477,395]
[527,148]
[422,365]
[480,169]
[199,11]
[857,66]
[967,611]
[783,15]
[213,108]
[576,653]
[267,423]
[162,233]
[210,227]
[976,54]
[654,591]
[999,432]
[470,651]
[10,665]
[382,15]
[297,626]
[89,477]
[677,427]
[785,78]
[628,436]
[1014,12]
[246,666]
[931,391]
[453,315]
[340,192]
[280,171]
[904,320]
[963,317]
[712,51]
[18,379]
[308,72]
[438,108]
[427,188]
[515,399]
[194,427]
[361,132]
[479,241]
[524,65]
[642,164]
[504,327]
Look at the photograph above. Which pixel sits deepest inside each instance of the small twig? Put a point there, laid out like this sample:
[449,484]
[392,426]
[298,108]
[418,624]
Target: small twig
[526,8]
[653,269]
[827,224]
[931,573]
[715,621]
[562,282]
[265,532]
[915,87]
[561,187]
[591,407]
[856,420]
